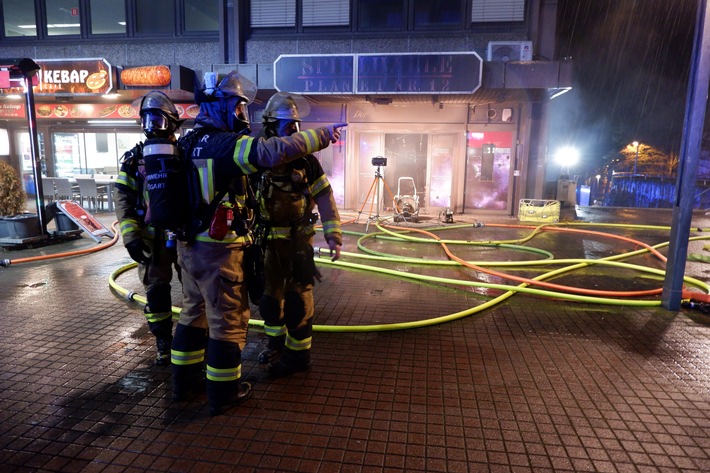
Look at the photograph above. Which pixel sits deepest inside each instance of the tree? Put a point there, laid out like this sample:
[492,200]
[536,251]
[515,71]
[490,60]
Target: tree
[651,161]
[12,196]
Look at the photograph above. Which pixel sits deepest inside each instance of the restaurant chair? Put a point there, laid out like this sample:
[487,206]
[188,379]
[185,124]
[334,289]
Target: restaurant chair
[95,195]
[48,189]
[64,189]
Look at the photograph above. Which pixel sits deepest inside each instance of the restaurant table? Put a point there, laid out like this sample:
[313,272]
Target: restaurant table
[108,180]
[103,180]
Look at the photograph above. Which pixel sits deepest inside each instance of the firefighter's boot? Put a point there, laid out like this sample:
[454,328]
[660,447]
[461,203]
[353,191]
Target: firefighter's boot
[225,389]
[162,358]
[224,395]
[160,325]
[274,348]
[187,356]
[290,361]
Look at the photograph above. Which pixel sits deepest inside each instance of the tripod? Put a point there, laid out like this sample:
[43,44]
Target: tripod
[375,186]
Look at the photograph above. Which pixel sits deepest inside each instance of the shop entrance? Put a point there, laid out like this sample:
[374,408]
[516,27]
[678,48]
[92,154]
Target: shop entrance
[79,152]
[488,167]
[426,158]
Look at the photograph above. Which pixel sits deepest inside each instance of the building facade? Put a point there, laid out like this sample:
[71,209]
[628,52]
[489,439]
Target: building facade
[453,93]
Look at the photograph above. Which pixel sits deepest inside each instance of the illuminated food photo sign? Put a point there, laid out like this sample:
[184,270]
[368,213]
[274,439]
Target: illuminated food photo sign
[70,111]
[146,76]
[75,76]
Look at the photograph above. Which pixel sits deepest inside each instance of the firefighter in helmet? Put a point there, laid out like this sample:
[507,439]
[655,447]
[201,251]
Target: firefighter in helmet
[287,196]
[146,244]
[212,330]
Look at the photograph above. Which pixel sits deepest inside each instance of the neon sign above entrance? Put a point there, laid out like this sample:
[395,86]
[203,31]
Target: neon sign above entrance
[416,73]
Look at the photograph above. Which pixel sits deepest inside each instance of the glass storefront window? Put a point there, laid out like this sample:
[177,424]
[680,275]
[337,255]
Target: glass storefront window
[442,163]
[4,142]
[63,17]
[68,155]
[338,12]
[25,151]
[487,11]
[369,146]
[272,13]
[437,13]
[19,18]
[148,23]
[379,15]
[332,159]
[125,142]
[90,153]
[201,15]
[100,152]
[107,17]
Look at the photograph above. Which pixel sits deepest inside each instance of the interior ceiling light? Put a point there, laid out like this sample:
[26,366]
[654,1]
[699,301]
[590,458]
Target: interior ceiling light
[112,122]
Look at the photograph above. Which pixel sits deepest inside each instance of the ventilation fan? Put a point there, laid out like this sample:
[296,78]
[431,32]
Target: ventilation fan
[504,51]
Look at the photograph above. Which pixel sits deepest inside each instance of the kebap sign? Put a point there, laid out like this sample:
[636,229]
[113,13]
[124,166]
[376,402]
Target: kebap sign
[394,73]
[75,76]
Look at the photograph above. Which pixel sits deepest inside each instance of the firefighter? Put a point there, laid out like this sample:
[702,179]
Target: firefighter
[146,245]
[212,329]
[287,196]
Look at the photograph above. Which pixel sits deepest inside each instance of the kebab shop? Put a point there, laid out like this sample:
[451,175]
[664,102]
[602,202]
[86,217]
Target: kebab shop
[86,115]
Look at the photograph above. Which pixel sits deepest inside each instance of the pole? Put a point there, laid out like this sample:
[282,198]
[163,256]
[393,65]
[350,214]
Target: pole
[29,69]
[636,160]
[696,103]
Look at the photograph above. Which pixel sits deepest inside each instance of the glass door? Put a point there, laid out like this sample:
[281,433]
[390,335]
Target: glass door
[25,151]
[488,167]
[69,157]
[441,170]
[124,142]
[91,152]
[407,156]
[369,146]
[332,159]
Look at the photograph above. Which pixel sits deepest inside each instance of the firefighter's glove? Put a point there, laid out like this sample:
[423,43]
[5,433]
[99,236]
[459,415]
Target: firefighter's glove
[139,251]
[334,249]
[335,133]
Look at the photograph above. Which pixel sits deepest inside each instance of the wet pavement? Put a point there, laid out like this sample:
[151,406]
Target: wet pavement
[417,365]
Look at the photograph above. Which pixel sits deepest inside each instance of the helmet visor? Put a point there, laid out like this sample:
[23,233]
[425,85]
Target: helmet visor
[287,127]
[152,122]
[241,112]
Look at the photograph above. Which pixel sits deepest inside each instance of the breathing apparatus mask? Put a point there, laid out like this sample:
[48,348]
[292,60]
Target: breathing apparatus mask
[239,120]
[283,113]
[225,105]
[154,123]
[159,116]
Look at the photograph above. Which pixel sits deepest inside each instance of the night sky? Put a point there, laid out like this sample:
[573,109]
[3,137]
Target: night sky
[631,65]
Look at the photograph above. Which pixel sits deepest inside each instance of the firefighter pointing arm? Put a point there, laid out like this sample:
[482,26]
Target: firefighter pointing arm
[287,196]
[212,330]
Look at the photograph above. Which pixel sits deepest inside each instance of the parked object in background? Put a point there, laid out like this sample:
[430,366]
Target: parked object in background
[539,211]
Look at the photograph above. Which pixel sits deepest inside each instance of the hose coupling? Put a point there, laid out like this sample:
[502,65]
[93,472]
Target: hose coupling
[697,305]
[130,295]
[478,224]
[5,263]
